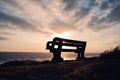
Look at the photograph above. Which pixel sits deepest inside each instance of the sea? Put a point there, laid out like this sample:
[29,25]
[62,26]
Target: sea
[37,56]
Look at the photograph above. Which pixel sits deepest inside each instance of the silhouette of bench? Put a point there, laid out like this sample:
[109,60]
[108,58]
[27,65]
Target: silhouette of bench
[56,47]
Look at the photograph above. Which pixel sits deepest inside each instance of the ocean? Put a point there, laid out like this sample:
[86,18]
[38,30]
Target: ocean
[38,56]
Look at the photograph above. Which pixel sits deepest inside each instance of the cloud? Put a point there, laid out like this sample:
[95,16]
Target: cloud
[21,23]
[115,41]
[3,38]
[15,16]
[74,10]
[50,13]
[84,19]
[10,3]
[105,15]
[60,27]
[70,4]
[99,24]
[104,5]
[6,33]
[114,15]
[13,22]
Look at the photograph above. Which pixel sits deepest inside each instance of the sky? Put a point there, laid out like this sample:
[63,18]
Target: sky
[27,25]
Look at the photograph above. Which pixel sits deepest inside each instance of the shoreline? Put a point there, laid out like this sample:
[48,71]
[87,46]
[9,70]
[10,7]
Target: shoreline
[6,56]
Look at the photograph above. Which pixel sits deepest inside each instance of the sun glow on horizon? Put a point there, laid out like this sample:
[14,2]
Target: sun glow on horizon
[62,35]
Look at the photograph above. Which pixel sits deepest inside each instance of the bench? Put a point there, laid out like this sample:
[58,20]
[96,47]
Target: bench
[56,47]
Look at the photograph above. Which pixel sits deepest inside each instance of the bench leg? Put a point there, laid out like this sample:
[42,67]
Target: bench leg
[80,56]
[57,56]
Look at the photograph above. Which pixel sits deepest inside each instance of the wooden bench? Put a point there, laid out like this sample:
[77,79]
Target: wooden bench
[56,47]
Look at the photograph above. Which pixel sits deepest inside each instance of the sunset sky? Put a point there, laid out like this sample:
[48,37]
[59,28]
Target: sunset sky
[27,25]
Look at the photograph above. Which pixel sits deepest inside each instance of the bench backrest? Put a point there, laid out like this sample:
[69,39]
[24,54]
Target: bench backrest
[57,44]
